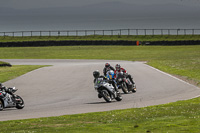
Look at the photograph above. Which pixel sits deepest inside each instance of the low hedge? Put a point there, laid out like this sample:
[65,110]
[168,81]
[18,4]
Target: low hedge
[5,64]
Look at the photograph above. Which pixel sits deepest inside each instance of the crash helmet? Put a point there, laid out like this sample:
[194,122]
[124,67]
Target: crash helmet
[110,74]
[107,65]
[96,74]
[117,67]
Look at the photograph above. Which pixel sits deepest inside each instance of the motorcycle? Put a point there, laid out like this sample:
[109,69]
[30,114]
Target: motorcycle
[124,83]
[10,100]
[106,90]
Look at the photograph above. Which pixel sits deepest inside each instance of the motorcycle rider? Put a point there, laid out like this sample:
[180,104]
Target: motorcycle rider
[111,78]
[96,75]
[5,89]
[107,68]
[2,88]
[119,69]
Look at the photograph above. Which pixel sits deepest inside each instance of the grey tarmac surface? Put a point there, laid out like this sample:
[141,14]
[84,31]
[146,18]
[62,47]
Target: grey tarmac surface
[66,87]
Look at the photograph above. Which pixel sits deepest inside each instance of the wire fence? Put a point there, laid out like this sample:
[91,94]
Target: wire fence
[102,32]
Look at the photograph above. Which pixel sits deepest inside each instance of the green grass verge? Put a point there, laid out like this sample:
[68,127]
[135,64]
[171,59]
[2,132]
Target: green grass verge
[100,37]
[181,116]
[8,73]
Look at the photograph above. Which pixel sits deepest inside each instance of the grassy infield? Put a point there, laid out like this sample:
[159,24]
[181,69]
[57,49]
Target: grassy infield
[181,116]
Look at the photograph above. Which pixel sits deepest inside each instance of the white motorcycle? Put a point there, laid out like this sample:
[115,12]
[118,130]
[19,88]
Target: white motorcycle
[8,99]
[106,90]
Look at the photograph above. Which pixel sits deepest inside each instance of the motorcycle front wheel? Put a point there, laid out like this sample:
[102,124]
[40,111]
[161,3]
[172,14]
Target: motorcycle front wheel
[125,88]
[106,96]
[20,104]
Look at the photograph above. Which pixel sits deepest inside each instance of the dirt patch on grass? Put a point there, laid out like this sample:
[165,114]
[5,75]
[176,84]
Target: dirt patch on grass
[193,82]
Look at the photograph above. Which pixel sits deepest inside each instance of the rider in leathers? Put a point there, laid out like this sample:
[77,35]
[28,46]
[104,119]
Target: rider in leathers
[7,90]
[111,78]
[120,69]
[107,68]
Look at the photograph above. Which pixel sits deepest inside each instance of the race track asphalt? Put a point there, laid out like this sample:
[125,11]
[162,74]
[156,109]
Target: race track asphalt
[66,87]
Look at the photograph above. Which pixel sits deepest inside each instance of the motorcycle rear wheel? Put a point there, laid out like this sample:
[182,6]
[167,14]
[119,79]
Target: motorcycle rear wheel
[1,105]
[106,96]
[21,104]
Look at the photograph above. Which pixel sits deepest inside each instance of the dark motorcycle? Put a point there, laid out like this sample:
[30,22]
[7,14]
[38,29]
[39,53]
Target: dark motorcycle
[124,83]
[106,90]
[8,99]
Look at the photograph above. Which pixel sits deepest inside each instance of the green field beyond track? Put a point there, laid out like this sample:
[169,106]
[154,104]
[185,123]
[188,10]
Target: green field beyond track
[181,116]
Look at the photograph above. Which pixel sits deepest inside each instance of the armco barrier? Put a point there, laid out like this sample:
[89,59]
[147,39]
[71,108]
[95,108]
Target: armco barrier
[63,43]
[75,43]
[189,42]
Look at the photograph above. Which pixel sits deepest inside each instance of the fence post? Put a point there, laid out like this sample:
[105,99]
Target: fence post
[153,31]
[103,32]
[136,31]
[13,34]
[22,34]
[162,32]
[145,32]
[192,31]
[128,32]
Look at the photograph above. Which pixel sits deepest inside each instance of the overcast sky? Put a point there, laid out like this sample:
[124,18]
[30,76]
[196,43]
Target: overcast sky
[28,4]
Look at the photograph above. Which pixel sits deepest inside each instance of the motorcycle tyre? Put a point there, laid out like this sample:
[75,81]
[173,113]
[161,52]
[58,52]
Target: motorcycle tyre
[119,97]
[134,89]
[125,88]
[106,96]
[20,105]
[1,105]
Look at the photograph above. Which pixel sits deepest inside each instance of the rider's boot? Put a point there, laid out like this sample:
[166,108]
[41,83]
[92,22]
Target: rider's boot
[99,96]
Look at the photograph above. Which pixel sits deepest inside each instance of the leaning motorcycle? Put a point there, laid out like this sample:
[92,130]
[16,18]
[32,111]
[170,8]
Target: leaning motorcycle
[106,90]
[9,99]
[124,83]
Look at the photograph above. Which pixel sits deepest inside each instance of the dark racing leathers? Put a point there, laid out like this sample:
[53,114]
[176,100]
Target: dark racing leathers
[7,90]
[124,72]
[106,69]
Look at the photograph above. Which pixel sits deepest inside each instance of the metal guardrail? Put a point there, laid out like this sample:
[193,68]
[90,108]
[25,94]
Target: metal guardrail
[102,32]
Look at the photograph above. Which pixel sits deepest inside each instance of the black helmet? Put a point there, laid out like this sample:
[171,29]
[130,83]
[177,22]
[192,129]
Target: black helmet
[96,74]
[117,67]
[107,65]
